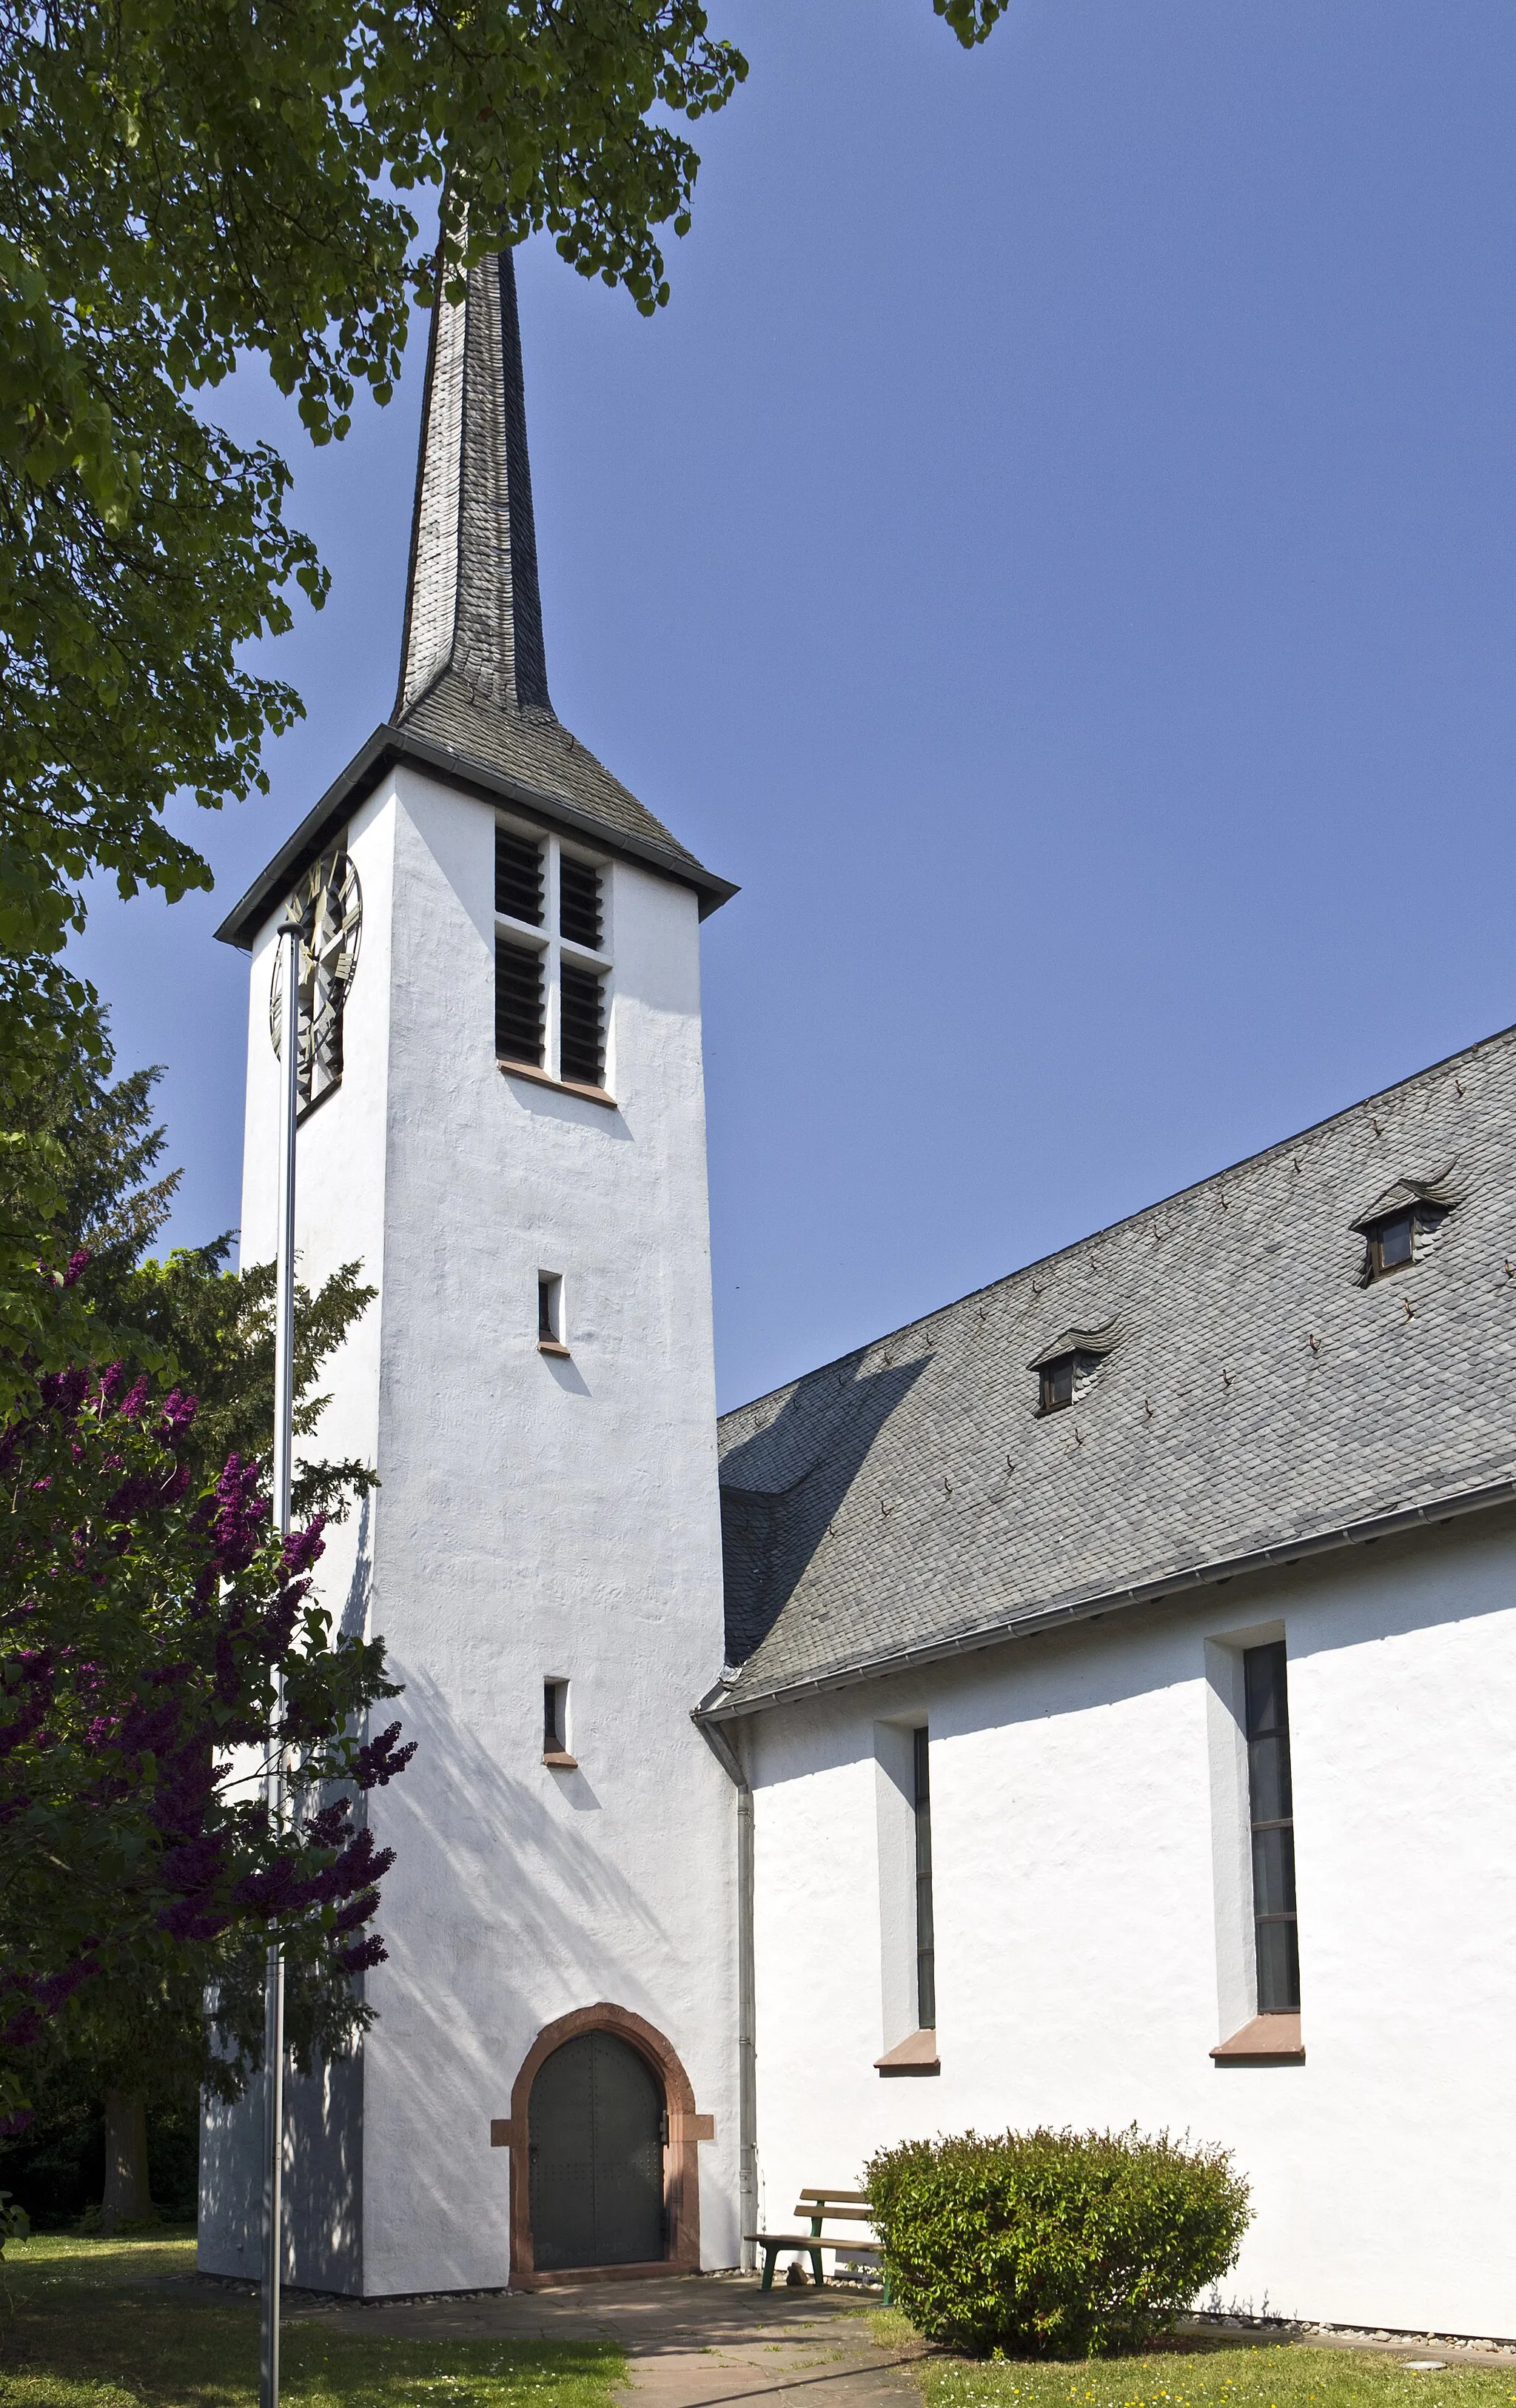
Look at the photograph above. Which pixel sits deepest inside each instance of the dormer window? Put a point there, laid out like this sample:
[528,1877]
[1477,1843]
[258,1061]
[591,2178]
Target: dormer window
[1392,1244]
[1398,1228]
[1066,1369]
[1057,1386]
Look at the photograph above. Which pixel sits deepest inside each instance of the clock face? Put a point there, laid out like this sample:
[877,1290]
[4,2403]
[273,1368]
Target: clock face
[329,904]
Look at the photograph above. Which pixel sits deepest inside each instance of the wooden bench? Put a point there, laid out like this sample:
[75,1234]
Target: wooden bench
[823,2206]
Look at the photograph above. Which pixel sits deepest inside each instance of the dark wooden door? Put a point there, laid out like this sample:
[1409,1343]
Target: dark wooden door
[595,2127]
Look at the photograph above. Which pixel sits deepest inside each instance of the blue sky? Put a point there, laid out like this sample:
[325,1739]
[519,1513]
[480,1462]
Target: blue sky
[1056,552]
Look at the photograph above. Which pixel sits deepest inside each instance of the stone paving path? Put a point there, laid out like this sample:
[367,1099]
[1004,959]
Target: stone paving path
[716,2341]
[709,2341]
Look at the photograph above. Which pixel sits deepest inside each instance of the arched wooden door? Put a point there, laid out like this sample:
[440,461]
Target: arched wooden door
[597,2125]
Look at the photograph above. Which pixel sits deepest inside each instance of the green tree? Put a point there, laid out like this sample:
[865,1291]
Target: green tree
[51,1037]
[187,1317]
[185,182]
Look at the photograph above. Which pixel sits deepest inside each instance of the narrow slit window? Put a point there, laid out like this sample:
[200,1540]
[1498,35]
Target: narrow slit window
[925,1941]
[582,1026]
[1271,1811]
[579,902]
[518,877]
[555,1722]
[550,1312]
[518,1003]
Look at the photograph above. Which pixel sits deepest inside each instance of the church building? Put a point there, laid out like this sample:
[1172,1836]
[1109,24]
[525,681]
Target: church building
[1090,1704]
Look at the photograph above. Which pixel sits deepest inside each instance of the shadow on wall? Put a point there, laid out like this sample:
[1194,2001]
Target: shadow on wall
[782,1488]
[491,1879]
[323,2138]
[507,1914]
[355,1606]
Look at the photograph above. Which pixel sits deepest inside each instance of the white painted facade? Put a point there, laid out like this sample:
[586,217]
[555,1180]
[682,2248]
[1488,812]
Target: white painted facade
[539,1517]
[1093,1905]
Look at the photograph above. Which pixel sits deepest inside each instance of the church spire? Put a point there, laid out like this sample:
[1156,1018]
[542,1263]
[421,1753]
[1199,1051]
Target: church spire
[473,706]
[473,606]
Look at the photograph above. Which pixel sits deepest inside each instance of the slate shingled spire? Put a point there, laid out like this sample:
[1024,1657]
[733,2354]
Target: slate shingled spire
[473,705]
[473,605]
[473,673]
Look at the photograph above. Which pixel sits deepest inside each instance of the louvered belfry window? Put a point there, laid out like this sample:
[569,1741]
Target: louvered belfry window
[583,1036]
[518,877]
[518,1003]
[551,972]
[579,902]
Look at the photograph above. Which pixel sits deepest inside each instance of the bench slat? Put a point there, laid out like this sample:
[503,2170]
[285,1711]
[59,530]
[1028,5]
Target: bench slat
[835,2214]
[815,2241]
[806,2192]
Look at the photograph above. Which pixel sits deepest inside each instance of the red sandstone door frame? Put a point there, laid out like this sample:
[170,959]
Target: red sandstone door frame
[681,2165]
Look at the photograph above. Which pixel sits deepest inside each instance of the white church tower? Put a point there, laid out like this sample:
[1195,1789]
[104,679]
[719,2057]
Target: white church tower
[504,1121]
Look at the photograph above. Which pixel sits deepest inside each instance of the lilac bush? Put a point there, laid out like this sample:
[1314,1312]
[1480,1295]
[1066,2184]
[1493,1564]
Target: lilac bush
[143,1620]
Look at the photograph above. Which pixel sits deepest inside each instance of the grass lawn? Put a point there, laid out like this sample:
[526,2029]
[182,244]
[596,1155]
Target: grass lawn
[114,2323]
[1282,2374]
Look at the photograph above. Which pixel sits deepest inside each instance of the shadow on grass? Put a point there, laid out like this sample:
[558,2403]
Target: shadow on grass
[125,2323]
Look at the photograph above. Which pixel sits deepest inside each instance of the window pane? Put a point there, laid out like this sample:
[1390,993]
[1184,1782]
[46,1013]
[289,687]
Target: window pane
[1279,1970]
[582,1032]
[1395,1243]
[1268,1775]
[1270,1807]
[517,1004]
[1273,1871]
[1058,1385]
[925,1933]
[1264,1671]
[548,1290]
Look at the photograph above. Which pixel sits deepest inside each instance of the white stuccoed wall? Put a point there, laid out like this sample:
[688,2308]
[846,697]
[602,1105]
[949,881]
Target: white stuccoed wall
[537,1517]
[1086,1925]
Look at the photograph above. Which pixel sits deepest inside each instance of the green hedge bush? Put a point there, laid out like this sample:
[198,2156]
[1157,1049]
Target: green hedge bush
[1052,2245]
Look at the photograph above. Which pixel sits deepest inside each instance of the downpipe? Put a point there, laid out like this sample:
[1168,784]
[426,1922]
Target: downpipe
[729,1758]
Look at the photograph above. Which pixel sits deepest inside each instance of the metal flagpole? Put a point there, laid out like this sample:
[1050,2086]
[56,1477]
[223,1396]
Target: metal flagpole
[268,2376]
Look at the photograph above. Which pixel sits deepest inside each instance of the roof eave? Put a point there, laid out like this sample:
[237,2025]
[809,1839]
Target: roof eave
[390,747]
[726,1703]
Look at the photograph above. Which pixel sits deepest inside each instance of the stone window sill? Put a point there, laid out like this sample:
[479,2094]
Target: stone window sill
[560,1760]
[551,1346]
[559,1086]
[917,2055]
[1269,2040]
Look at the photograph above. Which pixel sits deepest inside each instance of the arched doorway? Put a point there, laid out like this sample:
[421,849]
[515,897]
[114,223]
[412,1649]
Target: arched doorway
[595,2110]
[595,2157]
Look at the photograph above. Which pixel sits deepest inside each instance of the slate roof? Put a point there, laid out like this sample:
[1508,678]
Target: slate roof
[473,703]
[1259,1401]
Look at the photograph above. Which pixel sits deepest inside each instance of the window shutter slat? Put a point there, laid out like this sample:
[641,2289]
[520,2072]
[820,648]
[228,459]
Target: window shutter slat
[518,1003]
[579,902]
[518,877]
[581,1034]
